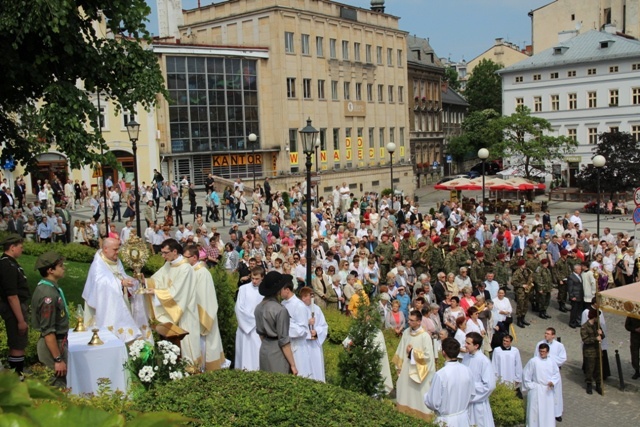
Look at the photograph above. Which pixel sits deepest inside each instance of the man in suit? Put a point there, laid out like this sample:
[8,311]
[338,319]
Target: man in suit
[16,224]
[65,214]
[7,198]
[439,287]
[576,296]
[176,202]
[18,193]
[192,200]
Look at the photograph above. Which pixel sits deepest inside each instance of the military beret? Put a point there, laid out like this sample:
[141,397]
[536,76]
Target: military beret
[500,237]
[479,254]
[518,251]
[463,244]
[437,240]
[564,252]
[529,241]
[544,261]
[472,231]
[48,259]
[453,247]
[406,235]
[487,242]
[501,256]
[456,239]
[422,244]
[521,262]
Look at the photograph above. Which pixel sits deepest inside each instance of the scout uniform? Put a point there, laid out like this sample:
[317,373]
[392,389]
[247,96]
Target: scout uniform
[50,315]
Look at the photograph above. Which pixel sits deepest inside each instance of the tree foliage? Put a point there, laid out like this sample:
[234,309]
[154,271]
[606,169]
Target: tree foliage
[484,87]
[452,78]
[47,48]
[478,133]
[621,172]
[525,140]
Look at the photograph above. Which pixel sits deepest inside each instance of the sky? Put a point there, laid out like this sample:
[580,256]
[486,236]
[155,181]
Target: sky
[456,29]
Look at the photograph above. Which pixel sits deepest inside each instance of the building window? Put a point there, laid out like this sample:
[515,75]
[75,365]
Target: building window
[555,102]
[367,54]
[401,94]
[288,42]
[593,136]
[323,139]
[519,102]
[537,104]
[573,101]
[537,77]
[293,140]
[390,57]
[571,73]
[591,72]
[347,90]
[321,89]
[336,139]
[291,87]
[306,88]
[371,136]
[127,116]
[572,134]
[381,137]
[400,58]
[332,48]
[390,90]
[345,50]
[613,97]
[320,47]
[304,48]
[592,99]
[613,69]
[553,76]
[380,93]
[613,129]
[379,55]
[635,67]
[635,132]
[369,92]
[635,95]
[392,135]
[334,90]
[401,137]
[358,91]
[519,79]
[356,52]
[347,132]
[102,117]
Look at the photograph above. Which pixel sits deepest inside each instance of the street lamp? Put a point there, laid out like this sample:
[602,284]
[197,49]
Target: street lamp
[317,176]
[308,135]
[252,140]
[483,154]
[133,129]
[599,162]
[391,148]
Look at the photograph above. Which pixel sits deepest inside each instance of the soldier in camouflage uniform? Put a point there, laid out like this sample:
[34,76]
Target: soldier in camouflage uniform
[521,280]
[561,271]
[385,253]
[490,255]
[463,256]
[420,259]
[544,283]
[591,339]
[478,270]
[435,257]
[451,260]
[532,264]
[500,246]
[502,272]
[405,246]
[474,244]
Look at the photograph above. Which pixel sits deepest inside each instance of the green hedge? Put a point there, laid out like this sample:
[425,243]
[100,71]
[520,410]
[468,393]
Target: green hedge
[239,398]
[226,286]
[71,251]
[508,410]
[339,325]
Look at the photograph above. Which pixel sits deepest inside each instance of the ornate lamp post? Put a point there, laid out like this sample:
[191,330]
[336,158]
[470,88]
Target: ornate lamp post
[133,129]
[599,162]
[391,148]
[483,154]
[308,135]
[252,140]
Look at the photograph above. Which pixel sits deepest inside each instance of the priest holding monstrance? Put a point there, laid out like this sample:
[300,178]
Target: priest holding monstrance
[111,297]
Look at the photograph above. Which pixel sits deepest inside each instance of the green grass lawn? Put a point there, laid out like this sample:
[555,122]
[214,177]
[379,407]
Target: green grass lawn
[72,284]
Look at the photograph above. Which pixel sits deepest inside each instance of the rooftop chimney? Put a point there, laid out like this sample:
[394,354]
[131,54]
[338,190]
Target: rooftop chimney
[377,6]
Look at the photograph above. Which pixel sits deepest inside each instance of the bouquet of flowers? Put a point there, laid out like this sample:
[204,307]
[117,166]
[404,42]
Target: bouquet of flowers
[155,364]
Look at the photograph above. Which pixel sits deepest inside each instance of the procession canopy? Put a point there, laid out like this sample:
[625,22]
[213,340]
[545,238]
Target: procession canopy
[623,300]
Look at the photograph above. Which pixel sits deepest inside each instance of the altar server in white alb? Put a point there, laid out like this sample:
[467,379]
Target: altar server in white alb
[541,376]
[174,290]
[484,379]
[318,330]
[110,297]
[558,354]
[298,330]
[247,339]
[415,360]
[452,389]
[507,363]
[212,354]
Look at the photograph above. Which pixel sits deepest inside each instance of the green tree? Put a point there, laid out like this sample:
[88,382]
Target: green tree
[621,172]
[46,49]
[525,142]
[484,87]
[478,133]
[452,78]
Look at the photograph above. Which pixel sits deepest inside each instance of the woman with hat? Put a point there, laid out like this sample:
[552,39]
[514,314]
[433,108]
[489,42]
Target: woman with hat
[272,325]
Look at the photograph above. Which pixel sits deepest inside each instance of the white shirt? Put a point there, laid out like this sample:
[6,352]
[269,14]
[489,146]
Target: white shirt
[502,305]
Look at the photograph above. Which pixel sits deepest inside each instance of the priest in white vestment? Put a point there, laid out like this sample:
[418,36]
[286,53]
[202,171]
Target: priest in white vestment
[415,360]
[507,363]
[318,333]
[558,354]
[110,297]
[484,379]
[540,377]
[298,330]
[452,389]
[212,354]
[174,290]
[247,339]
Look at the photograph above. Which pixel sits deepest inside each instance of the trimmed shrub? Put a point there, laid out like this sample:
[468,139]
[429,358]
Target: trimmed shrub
[31,352]
[226,286]
[240,398]
[339,325]
[508,410]
[154,263]
[71,251]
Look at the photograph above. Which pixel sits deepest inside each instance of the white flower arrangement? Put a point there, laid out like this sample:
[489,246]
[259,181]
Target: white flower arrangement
[156,364]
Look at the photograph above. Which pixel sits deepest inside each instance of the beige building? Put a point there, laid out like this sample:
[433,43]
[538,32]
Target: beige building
[502,52]
[582,16]
[264,67]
